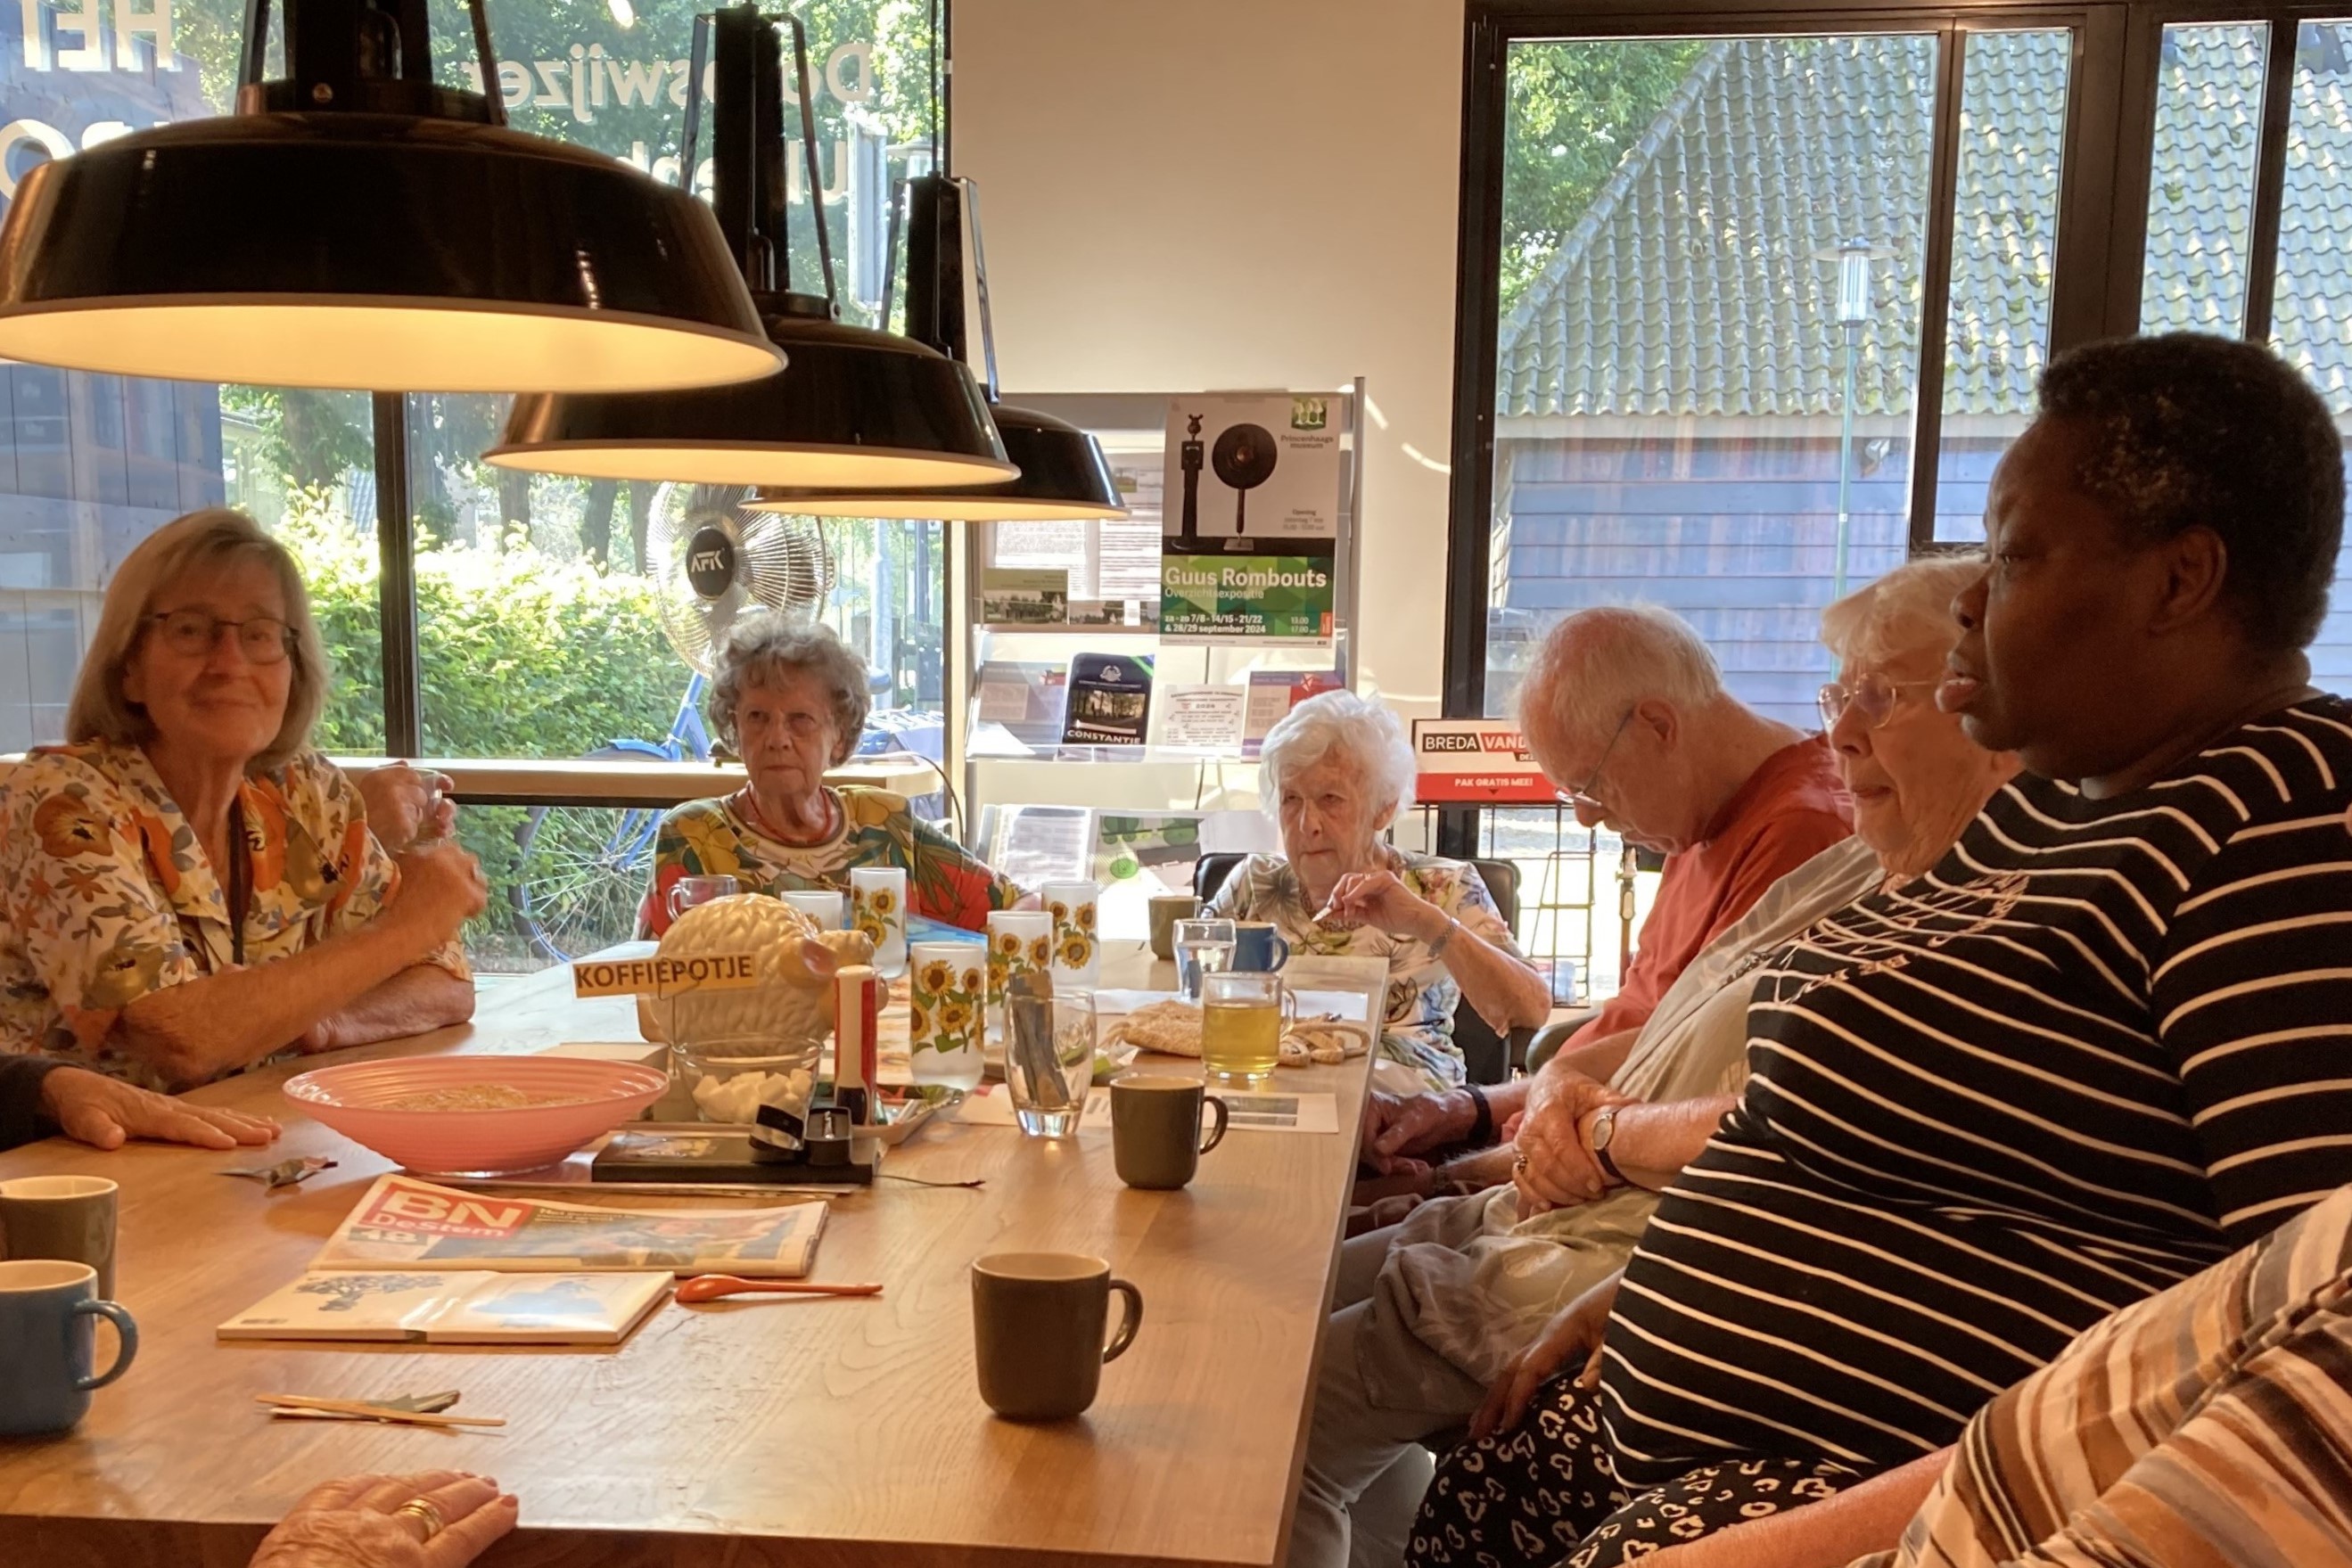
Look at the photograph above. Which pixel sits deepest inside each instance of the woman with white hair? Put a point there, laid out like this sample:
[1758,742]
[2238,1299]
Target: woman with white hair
[790,698]
[1334,773]
[189,888]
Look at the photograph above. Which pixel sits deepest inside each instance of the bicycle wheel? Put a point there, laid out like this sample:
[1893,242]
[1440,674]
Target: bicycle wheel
[582,872]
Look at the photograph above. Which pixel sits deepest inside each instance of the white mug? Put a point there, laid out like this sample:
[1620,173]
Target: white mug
[821,904]
[878,906]
[1078,940]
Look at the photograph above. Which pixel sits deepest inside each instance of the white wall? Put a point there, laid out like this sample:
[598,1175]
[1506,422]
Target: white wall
[1191,195]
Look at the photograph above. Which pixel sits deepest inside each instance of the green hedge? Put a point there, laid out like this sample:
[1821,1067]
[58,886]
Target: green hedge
[523,654]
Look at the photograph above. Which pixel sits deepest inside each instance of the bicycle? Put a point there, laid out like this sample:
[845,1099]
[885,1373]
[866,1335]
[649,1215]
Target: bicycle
[579,874]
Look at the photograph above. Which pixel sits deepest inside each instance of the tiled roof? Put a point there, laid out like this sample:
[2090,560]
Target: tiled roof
[1692,287]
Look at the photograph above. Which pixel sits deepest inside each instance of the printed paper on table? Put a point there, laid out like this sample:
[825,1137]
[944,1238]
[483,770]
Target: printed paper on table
[404,1222]
[468,1307]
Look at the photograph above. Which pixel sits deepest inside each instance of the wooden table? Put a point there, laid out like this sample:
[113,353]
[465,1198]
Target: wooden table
[821,1432]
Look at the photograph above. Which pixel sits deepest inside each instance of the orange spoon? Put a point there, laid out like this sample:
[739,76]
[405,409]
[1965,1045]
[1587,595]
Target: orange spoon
[711,1287]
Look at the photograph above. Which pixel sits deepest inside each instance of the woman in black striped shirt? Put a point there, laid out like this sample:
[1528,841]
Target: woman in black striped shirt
[2107,1040]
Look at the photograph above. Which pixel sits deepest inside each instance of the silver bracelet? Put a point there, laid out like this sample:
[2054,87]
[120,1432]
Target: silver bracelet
[1444,937]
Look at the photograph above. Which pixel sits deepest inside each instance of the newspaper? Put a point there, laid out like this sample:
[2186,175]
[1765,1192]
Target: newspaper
[403,1221]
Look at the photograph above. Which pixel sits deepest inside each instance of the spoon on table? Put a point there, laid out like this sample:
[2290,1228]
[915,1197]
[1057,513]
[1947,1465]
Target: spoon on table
[711,1287]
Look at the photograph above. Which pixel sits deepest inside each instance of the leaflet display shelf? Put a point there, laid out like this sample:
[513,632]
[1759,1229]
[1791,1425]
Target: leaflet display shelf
[1035,596]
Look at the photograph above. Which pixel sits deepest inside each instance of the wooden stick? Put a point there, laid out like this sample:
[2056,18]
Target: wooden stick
[374,1412]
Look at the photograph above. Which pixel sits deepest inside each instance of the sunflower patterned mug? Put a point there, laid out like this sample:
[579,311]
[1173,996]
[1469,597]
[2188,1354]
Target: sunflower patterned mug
[946,989]
[1018,940]
[878,906]
[1078,947]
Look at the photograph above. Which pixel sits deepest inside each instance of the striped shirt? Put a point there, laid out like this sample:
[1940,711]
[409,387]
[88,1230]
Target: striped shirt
[2209,1426]
[2097,1046]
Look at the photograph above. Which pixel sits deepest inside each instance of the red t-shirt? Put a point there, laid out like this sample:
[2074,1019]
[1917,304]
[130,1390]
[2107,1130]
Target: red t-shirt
[1792,806]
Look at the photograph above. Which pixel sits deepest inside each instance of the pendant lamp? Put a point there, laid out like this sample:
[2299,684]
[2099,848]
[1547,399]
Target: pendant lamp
[355,225]
[1064,474]
[857,407]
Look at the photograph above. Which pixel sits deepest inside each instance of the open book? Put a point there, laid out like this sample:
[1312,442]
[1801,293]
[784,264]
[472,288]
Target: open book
[444,1308]
[402,1222]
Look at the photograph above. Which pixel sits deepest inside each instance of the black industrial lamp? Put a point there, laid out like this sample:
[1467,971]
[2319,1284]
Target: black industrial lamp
[859,408]
[1064,474]
[353,224]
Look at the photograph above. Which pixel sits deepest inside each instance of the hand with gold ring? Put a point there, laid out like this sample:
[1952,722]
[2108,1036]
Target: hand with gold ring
[435,1519]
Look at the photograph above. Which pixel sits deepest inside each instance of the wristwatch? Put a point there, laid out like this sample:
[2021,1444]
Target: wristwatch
[1597,1132]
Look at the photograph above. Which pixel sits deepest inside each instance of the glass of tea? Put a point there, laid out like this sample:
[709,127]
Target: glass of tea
[1241,1019]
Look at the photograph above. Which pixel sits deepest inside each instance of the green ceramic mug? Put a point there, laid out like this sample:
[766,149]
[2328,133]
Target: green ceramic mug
[1037,1321]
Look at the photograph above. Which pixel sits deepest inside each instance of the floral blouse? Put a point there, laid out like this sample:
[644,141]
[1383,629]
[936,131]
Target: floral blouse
[109,897]
[1423,993]
[713,838]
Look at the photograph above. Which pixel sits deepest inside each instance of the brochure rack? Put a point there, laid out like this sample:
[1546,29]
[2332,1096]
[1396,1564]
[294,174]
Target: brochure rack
[1033,596]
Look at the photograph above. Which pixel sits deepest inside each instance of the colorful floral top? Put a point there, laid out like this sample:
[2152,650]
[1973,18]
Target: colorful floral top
[109,897]
[713,838]
[1423,993]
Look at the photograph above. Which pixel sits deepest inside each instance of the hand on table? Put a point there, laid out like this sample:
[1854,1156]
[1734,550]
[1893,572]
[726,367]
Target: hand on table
[1397,1127]
[405,807]
[106,1112]
[1572,1335]
[355,1523]
[1554,1169]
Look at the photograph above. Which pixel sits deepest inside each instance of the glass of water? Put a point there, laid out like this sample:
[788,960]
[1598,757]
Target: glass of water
[1049,1071]
[1203,947]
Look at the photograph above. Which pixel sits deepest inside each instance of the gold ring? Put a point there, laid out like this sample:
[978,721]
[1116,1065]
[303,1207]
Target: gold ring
[425,1513]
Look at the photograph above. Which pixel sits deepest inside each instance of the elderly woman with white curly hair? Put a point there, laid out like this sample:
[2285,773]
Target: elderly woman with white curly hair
[1334,773]
[790,698]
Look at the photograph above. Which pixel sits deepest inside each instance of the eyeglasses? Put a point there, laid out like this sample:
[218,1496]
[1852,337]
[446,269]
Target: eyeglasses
[194,633]
[1583,794]
[1874,695]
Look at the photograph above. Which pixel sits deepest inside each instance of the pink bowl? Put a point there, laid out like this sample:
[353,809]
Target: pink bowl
[351,1099]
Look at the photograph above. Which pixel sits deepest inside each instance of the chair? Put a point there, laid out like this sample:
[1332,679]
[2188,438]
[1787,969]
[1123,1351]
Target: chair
[1209,872]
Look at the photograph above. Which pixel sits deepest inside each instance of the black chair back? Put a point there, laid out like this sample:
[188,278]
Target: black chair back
[1209,872]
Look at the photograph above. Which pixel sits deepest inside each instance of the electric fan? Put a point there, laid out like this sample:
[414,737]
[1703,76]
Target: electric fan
[1243,457]
[713,560]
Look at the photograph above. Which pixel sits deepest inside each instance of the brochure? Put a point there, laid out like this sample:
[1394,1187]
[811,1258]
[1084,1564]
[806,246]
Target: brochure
[1110,700]
[1252,472]
[1022,596]
[1202,719]
[402,1222]
[471,1307]
[1273,694]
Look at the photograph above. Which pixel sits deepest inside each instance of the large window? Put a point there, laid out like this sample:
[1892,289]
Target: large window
[539,630]
[1755,303]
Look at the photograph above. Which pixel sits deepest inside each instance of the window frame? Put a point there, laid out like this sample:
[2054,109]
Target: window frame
[2098,255]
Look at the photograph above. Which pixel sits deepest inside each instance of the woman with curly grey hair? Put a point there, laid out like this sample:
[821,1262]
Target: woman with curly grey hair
[790,698]
[1334,773]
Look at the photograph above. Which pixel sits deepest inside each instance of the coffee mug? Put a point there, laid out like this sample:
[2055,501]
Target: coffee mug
[1037,1321]
[68,1218]
[1155,1128]
[688,891]
[48,1345]
[1258,948]
[1167,909]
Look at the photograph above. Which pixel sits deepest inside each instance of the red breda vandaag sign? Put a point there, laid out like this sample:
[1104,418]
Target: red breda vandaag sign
[1475,762]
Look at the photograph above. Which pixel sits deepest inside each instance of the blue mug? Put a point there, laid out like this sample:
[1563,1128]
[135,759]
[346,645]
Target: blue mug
[1258,948]
[48,1344]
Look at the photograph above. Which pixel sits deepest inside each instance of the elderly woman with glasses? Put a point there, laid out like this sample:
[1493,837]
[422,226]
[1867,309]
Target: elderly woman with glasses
[189,889]
[1335,772]
[791,699]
